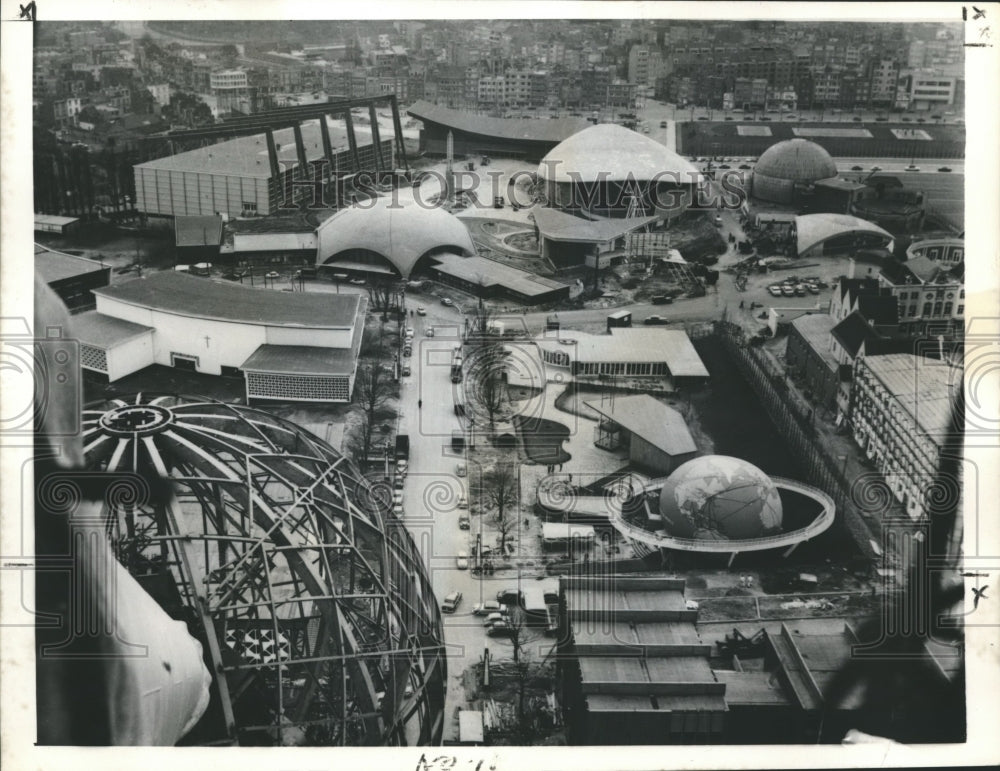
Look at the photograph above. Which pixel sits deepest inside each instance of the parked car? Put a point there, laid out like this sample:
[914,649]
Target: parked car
[462,560]
[421,311]
[510,597]
[460,469]
[775,290]
[745,167]
[463,522]
[652,320]
[451,602]
[494,617]
[406,371]
[397,497]
[358,281]
[502,628]
[725,166]
[663,124]
[911,167]
[813,289]
[410,332]
[800,290]
[856,168]
[944,168]
[446,301]
[718,221]
[487,607]
[429,332]
[788,290]
[463,502]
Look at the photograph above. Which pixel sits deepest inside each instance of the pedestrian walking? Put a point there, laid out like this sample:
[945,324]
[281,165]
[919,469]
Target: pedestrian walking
[749,582]
[527,523]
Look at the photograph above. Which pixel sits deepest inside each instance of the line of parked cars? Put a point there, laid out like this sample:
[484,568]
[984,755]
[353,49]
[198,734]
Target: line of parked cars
[794,287]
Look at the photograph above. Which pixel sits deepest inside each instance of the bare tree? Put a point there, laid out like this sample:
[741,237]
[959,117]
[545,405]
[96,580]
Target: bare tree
[385,294]
[500,494]
[358,442]
[372,391]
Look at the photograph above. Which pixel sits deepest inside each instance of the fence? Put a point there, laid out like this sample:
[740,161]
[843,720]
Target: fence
[793,417]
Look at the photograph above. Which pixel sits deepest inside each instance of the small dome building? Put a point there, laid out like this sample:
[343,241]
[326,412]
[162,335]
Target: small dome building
[787,164]
[720,498]
[602,169]
[383,236]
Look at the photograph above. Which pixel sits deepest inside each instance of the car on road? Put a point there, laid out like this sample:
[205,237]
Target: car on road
[407,351]
[729,117]
[447,301]
[487,607]
[502,628]
[856,119]
[857,168]
[406,371]
[652,320]
[788,290]
[944,168]
[702,117]
[462,560]
[663,124]
[911,167]
[725,166]
[775,290]
[451,602]
[905,119]
[421,310]
[429,332]
[461,470]
[745,167]
[463,502]
[881,120]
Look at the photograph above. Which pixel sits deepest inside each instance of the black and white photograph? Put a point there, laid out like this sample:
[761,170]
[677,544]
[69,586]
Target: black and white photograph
[707,470]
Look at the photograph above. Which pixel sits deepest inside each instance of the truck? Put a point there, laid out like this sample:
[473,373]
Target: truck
[457,441]
[402,447]
[456,369]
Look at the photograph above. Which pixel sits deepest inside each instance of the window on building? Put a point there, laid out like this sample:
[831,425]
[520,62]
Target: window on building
[249,207]
[947,309]
[961,309]
[913,309]
[937,309]
[927,309]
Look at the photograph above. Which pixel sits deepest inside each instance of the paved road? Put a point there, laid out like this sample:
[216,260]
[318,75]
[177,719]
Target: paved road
[431,493]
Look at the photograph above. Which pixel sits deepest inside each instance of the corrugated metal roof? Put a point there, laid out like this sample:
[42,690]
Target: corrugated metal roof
[651,420]
[173,292]
[626,344]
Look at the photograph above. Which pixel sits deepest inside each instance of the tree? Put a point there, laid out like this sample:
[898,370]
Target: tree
[500,494]
[372,389]
[385,294]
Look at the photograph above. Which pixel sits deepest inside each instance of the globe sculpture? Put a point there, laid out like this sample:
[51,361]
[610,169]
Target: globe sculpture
[720,498]
[307,593]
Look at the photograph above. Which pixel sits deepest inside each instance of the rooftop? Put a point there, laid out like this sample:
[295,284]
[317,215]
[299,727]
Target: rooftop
[527,129]
[796,159]
[247,156]
[103,331]
[923,387]
[608,152]
[813,229]
[486,272]
[186,295]
[628,344]
[649,419]
[300,360]
[58,266]
[815,329]
[559,226]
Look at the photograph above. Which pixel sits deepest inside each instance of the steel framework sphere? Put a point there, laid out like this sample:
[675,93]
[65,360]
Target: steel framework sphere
[309,597]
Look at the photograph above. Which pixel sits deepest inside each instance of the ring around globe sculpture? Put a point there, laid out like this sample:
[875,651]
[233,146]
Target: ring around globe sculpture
[720,498]
[308,595]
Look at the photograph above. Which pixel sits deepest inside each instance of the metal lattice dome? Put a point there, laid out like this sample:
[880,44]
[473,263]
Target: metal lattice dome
[718,497]
[307,594]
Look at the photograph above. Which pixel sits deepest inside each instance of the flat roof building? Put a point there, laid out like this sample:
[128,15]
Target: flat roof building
[241,177]
[289,346]
[490,279]
[656,435]
[625,354]
[72,278]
